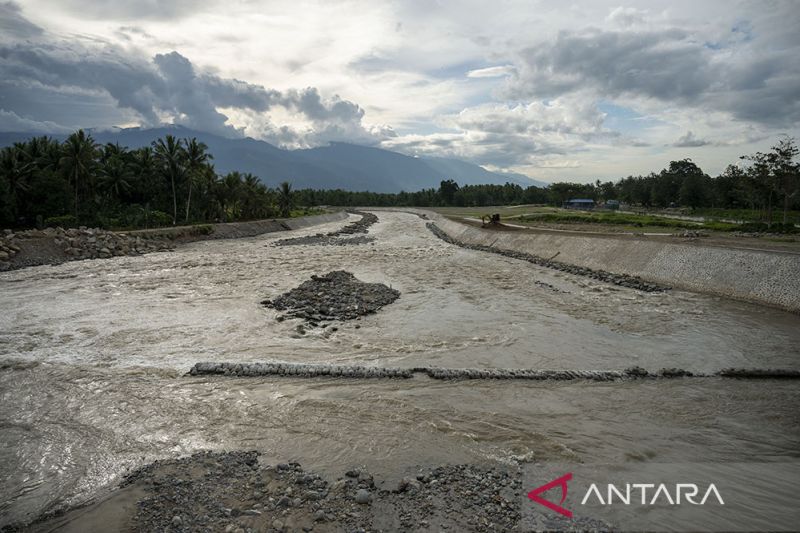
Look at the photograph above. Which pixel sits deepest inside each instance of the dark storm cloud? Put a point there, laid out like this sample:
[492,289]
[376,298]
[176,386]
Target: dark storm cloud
[36,71]
[12,23]
[664,65]
[309,102]
[672,65]
[690,141]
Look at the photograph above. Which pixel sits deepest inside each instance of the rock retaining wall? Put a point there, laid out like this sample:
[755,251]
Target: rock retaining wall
[52,246]
[323,370]
[57,245]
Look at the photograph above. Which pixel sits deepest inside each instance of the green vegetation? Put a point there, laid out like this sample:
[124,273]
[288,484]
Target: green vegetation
[633,220]
[47,183]
[748,192]
[44,182]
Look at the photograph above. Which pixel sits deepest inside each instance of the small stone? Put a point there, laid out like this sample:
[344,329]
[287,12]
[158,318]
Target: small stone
[319,516]
[277,524]
[284,501]
[176,521]
[363,496]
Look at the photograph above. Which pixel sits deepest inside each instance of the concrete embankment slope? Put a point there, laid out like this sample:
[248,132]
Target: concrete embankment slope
[769,278]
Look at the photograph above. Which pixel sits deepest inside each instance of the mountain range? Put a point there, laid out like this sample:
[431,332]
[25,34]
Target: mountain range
[335,166]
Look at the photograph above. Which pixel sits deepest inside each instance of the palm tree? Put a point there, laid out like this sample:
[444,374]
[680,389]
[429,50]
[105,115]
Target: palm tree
[285,200]
[171,157]
[77,160]
[196,158]
[231,192]
[115,176]
[14,174]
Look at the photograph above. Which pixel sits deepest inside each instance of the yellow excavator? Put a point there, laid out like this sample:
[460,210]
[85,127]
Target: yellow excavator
[490,220]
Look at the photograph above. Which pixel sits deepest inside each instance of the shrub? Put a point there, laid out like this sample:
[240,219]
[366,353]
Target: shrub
[159,218]
[63,221]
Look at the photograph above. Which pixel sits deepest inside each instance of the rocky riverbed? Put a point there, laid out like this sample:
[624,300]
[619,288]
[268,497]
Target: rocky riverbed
[337,295]
[237,492]
[95,355]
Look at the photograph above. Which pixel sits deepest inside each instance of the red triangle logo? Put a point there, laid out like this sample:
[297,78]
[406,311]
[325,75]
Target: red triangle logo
[560,482]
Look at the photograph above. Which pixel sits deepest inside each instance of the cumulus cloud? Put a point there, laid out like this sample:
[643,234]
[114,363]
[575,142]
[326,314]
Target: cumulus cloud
[14,24]
[664,64]
[670,65]
[10,121]
[141,9]
[626,16]
[491,72]
[506,135]
[513,88]
[167,89]
[690,141]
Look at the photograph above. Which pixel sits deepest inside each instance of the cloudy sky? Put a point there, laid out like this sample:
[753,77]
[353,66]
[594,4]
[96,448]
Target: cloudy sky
[552,89]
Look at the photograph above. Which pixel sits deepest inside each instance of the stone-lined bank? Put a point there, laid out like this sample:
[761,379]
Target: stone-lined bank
[758,276]
[53,246]
[57,245]
[622,280]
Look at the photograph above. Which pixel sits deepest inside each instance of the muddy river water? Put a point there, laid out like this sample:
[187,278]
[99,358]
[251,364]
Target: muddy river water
[93,356]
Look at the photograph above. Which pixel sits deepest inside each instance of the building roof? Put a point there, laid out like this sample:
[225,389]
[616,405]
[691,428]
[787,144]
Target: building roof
[581,200]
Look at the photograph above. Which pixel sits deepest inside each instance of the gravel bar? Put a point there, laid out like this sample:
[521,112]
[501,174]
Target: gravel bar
[337,295]
[333,238]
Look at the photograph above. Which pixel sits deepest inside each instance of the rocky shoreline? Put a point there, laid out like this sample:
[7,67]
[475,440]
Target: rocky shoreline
[236,492]
[54,246]
[57,245]
[622,280]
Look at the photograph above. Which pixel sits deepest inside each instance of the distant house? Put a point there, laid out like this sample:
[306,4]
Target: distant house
[612,204]
[579,203]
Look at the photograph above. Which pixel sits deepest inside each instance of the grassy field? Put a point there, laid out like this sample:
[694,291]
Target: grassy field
[611,220]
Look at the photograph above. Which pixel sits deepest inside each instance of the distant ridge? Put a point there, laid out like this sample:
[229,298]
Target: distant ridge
[336,166]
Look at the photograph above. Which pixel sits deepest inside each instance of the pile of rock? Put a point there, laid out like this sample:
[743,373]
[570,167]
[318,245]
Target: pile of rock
[359,226]
[377,372]
[233,492]
[324,240]
[97,243]
[623,280]
[337,295]
[57,245]
[8,248]
[304,370]
[690,234]
[331,238]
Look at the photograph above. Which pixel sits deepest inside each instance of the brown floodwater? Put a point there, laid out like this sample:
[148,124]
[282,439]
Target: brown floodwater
[92,357]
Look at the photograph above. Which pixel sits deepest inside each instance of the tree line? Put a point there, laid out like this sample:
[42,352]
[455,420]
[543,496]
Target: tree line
[78,182]
[44,182]
[763,182]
